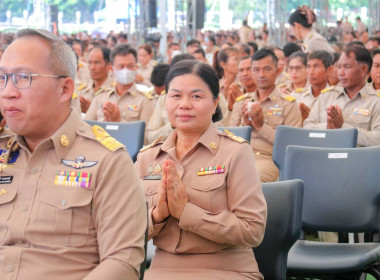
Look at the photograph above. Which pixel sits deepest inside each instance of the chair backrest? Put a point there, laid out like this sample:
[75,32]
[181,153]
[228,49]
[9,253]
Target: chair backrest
[130,134]
[284,202]
[329,138]
[241,131]
[342,187]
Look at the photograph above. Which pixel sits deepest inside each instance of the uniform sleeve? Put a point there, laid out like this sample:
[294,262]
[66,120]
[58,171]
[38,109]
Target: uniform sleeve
[244,223]
[369,137]
[292,117]
[235,115]
[157,126]
[91,112]
[146,110]
[314,121]
[119,213]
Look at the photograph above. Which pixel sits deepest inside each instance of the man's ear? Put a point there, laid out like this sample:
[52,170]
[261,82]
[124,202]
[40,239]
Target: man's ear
[67,89]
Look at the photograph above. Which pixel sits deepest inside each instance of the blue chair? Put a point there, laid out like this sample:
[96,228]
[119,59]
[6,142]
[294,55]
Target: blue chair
[284,202]
[341,194]
[241,131]
[130,134]
[329,138]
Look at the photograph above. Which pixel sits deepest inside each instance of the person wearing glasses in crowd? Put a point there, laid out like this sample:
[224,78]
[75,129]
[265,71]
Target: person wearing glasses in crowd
[206,206]
[71,205]
[297,70]
[264,111]
[354,104]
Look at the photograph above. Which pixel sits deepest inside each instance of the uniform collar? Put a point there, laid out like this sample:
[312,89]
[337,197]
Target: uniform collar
[209,139]
[362,93]
[273,96]
[132,91]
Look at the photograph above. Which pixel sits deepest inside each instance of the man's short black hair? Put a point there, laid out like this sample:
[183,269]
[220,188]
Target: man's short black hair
[290,48]
[323,56]
[192,42]
[158,75]
[201,51]
[106,52]
[123,50]
[263,53]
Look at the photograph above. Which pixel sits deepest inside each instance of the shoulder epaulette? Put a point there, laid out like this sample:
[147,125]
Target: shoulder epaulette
[378,93]
[163,92]
[286,75]
[147,94]
[327,89]
[74,96]
[113,84]
[288,98]
[232,136]
[105,139]
[281,85]
[242,97]
[154,143]
[154,63]
[82,86]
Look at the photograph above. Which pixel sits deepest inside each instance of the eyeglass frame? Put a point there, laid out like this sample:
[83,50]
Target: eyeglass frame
[30,75]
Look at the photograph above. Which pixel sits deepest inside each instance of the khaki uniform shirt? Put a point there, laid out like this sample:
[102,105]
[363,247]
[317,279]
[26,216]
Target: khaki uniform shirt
[159,124]
[362,112]
[133,105]
[314,41]
[279,109]
[61,222]
[146,72]
[75,103]
[226,211]
[83,73]
[86,90]
[305,95]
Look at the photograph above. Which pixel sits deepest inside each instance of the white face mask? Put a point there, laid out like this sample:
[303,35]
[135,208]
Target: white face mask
[175,52]
[125,76]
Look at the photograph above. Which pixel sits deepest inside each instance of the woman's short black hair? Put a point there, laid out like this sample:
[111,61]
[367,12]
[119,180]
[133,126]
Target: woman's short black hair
[201,70]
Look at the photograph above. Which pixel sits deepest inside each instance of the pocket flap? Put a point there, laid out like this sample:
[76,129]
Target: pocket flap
[65,198]
[8,196]
[208,182]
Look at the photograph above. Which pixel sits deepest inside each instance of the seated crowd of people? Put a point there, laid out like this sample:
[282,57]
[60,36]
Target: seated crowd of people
[220,80]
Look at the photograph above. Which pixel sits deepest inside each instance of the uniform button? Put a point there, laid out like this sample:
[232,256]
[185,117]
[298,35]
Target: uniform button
[63,202]
[33,170]
[190,228]
[10,268]
[24,208]
[82,129]
[206,187]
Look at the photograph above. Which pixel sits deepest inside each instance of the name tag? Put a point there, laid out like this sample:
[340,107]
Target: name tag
[6,179]
[363,112]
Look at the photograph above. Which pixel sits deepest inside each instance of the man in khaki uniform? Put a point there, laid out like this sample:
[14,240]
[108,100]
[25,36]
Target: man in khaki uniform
[353,104]
[124,102]
[71,206]
[319,64]
[101,78]
[267,109]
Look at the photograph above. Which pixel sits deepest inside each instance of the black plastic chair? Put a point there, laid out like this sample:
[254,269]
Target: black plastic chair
[329,138]
[130,134]
[241,131]
[284,202]
[341,194]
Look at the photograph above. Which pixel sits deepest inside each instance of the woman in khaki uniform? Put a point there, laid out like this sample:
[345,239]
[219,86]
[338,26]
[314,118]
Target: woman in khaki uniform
[206,206]
[301,23]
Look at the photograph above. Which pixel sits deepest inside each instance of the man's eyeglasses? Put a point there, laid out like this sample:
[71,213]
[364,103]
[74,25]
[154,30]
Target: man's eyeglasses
[22,79]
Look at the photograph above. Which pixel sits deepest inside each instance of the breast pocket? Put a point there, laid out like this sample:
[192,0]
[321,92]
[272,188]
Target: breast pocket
[6,209]
[151,191]
[273,120]
[362,121]
[64,216]
[130,112]
[209,192]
